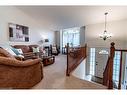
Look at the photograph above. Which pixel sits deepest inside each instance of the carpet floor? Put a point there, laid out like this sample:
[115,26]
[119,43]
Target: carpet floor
[55,78]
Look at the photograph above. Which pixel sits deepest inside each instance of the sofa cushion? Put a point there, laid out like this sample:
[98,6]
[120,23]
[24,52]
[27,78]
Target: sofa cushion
[15,51]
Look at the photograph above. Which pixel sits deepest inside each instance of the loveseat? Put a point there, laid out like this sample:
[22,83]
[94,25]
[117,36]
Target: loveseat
[19,74]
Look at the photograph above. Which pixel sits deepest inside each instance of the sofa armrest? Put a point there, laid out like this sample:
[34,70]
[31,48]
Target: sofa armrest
[14,62]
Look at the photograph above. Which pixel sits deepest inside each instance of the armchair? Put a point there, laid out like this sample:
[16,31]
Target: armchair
[54,49]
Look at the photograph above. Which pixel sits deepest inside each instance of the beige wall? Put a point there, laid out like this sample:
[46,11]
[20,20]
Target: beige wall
[37,30]
[80,71]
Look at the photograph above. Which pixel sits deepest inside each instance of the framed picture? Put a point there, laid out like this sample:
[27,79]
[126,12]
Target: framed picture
[18,33]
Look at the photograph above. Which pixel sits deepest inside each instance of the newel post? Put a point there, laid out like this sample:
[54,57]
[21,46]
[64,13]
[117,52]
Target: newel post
[112,50]
[85,50]
[112,53]
[67,71]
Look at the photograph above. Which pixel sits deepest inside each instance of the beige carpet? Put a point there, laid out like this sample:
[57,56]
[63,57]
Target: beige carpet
[55,78]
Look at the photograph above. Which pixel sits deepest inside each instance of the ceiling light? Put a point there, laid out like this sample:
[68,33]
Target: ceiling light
[105,35]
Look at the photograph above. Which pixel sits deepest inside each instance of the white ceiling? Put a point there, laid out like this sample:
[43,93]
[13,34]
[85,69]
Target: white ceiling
[70,16]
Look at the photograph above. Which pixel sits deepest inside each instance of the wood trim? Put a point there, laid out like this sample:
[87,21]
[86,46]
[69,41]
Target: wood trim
[67,70]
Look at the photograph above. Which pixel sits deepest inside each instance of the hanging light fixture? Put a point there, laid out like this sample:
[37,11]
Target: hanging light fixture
[105,35]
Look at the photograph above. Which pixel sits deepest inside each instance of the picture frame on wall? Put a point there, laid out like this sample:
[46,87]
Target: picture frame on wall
[18,33]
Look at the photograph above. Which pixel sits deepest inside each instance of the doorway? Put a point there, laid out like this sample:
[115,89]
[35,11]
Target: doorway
[98,60]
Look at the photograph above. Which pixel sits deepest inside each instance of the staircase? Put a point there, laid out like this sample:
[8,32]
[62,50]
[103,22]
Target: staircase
[108,72]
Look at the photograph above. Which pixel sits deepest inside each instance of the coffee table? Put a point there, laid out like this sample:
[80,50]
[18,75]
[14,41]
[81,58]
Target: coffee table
[47,60]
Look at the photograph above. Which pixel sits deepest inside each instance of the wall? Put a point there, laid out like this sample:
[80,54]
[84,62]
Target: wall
[57,38]
[37,30]
[82,35]
[80,72]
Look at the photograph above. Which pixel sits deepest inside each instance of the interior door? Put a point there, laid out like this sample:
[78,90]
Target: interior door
[100,62]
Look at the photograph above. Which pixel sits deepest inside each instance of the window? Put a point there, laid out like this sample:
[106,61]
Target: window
[92,61]
[116,66]
[71,36]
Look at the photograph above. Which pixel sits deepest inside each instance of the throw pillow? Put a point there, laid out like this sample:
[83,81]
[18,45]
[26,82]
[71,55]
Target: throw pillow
[35,49]
[15,51]
[20,51]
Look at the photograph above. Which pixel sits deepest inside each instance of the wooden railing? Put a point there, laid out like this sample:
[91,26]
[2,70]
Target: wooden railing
[75,55]
[108,72]
[120,72]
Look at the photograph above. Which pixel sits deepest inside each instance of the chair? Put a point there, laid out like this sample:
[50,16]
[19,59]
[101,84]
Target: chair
[54,49]
[19,74]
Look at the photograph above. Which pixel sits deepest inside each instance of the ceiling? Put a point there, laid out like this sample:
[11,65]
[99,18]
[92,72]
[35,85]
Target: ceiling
[61,17]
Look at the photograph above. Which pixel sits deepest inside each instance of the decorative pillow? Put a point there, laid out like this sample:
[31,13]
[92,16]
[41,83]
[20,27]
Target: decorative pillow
[20,51]
[15,51]
[35,49]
